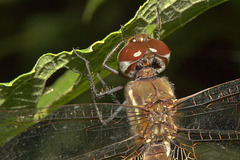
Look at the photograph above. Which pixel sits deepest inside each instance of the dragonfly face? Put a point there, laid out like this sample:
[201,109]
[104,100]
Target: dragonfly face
[142,51]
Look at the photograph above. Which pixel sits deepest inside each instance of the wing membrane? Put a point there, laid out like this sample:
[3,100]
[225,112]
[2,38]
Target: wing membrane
[212,115]
[228,91]
[72,131]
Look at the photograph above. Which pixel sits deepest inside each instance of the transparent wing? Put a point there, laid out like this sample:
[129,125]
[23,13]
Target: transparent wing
[72,132]
[212,115]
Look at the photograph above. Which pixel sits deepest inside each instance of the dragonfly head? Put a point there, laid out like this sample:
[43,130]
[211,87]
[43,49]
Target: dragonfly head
[142,51]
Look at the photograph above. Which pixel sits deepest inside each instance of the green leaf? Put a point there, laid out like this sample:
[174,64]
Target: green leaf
[29,91]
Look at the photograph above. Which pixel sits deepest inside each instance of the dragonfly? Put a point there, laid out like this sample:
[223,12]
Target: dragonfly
[152,124]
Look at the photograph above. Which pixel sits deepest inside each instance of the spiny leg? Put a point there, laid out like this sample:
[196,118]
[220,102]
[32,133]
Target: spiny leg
[107,58]
[113,96]
[96,95]
[159,25]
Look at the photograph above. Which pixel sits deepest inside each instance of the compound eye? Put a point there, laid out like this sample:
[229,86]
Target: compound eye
[128,57]
[159,48]
[133,51]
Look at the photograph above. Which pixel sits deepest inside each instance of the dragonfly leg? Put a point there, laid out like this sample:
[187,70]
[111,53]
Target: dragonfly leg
[99,95]
[159,25]
[91,83]
[107,89]
[107,58]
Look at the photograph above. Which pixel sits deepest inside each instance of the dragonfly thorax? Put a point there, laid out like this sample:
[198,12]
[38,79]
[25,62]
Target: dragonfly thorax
[141,51]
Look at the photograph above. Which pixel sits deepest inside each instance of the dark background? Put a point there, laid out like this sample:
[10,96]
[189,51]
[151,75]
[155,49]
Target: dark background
[205,52]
